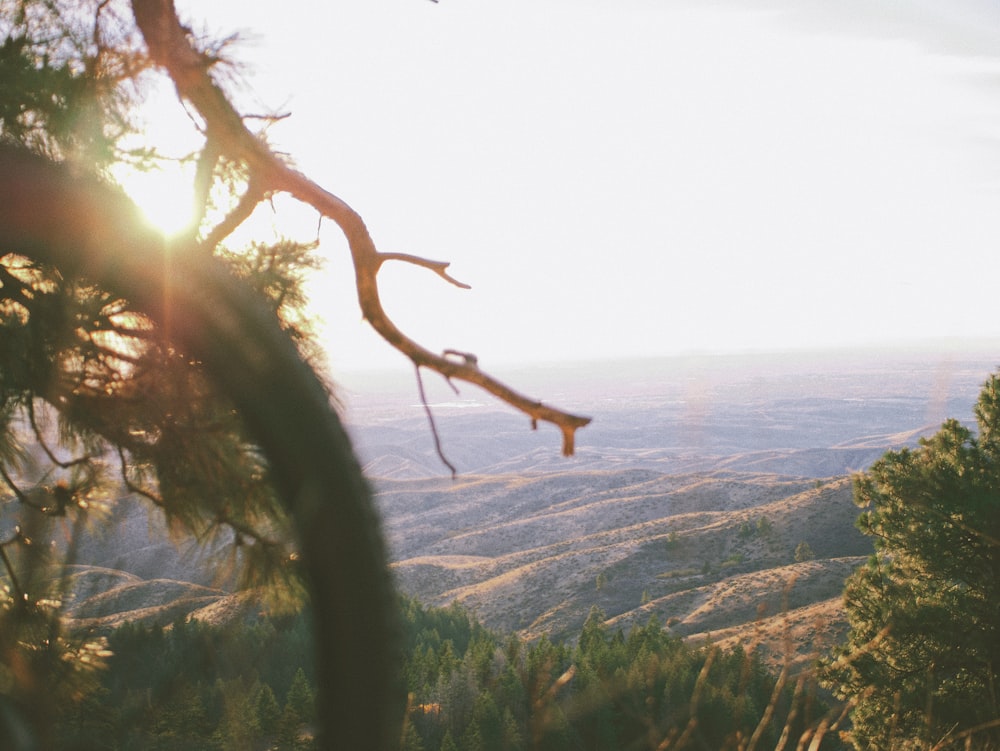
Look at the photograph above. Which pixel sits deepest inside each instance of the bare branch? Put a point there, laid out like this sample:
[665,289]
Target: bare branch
[274,118]
[204,173]
[20,596]
[438,267]
[170,48]
[135,488]
[434,432]
[16,490]
[253,195]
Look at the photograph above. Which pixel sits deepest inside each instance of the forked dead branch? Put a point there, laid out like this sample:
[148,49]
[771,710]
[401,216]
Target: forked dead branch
[170,47]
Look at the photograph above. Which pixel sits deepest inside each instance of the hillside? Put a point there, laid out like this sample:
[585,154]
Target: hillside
[687,499]
[704,552]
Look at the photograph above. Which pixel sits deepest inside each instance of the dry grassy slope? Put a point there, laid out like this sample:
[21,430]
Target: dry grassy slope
[704,552]
[97,598]
[527,551]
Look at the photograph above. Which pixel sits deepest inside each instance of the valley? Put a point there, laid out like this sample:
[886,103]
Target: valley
[714,495]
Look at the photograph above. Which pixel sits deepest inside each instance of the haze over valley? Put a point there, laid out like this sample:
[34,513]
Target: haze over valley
[713,493]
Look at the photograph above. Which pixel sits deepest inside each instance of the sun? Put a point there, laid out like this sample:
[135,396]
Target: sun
[164,195]
[165,190]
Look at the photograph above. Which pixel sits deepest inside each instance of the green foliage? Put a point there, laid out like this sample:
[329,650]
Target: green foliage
[96,400]
[66,79]
[803,552]
[762,527]
[198,686]
[734,559]
[923,653]
[195,686]
[673,541]
[610,691]
[299,699]
[53,671]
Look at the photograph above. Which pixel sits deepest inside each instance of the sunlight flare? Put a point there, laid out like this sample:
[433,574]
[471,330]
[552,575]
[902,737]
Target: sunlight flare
[164,195]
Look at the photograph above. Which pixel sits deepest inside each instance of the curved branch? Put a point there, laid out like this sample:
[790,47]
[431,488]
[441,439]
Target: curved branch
[170,48]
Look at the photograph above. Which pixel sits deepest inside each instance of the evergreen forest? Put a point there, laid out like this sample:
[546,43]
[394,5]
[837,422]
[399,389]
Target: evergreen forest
[250,686]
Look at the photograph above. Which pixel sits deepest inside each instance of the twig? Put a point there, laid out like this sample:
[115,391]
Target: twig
[45,446]
[948,738]
[18,493]
[244,208]
[550,693]
[434,432]
[699,686]
[793,712]
[203,176]
[20,596]
[827,724]
[241,529]
[438,267]
[170,47]
[768,714]
[133,487]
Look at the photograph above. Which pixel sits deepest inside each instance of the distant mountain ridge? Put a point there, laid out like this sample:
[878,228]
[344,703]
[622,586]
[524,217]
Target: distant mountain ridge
[682,415]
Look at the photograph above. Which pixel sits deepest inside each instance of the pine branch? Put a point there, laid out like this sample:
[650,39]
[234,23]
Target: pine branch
[40,438]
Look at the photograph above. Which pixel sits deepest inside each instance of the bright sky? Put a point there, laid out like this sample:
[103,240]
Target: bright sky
[637,177]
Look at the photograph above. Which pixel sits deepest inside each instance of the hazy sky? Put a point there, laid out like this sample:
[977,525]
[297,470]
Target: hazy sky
[639,178]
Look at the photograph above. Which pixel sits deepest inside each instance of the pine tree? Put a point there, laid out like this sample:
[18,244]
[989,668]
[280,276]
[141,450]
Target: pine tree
[411,740]
[299,699]
[448,742]
[97,401]
[922,660]
[268,711]
[803,552]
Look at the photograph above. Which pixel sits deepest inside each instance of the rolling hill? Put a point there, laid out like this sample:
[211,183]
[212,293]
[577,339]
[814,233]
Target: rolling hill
[688,499]
[704,552]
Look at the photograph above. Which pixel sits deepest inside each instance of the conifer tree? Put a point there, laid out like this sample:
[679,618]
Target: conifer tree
[95,399]
[268,710]
[300,698]
[100,394]
[922,660]
[411,739]
[448,742]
